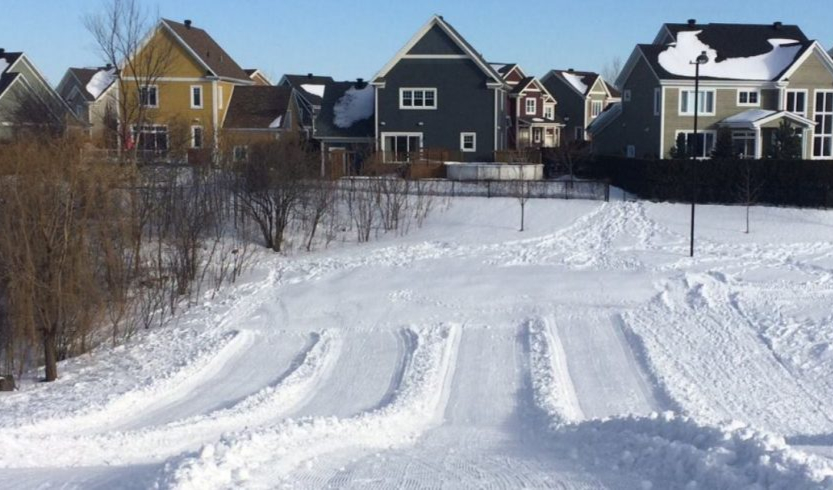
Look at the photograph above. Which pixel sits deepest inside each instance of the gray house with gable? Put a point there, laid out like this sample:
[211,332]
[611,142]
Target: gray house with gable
[439,94]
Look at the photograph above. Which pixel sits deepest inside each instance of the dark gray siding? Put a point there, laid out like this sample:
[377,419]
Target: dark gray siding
[435,41]
[464,104]
[571,105]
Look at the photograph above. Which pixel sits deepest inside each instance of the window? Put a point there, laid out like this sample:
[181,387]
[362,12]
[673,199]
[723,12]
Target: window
[706,100]
[468,142]
[626,95]
[549,111]
[220,96]
[241,153]
[196,97]
[579,133]
[537,135]
[823,137]
[705,143]
[531,106]
[196,136]
[749,97]
[151,137]
[657,101]
[401,147]
[743,143]
[797,102]
[595,108]
[417,98]
[630,151]
[149,96]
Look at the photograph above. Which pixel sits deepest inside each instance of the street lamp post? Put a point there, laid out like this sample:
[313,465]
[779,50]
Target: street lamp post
[702,59]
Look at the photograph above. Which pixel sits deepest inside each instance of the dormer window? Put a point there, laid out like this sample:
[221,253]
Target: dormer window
[531,106]
[417,98]
[595,108]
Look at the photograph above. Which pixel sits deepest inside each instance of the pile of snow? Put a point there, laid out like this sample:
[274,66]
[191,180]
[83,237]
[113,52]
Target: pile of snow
[314,89]
[354,105]
[576,82]
[262,457]
[100,81]
[277,122]
[678,57]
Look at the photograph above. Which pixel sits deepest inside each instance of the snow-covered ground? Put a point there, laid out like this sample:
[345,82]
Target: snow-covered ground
[588,351]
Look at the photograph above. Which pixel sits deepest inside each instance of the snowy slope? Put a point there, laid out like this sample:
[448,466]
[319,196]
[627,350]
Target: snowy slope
[587,352]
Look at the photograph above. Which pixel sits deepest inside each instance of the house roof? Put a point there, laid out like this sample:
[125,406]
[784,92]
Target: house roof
[6,77]
[257,107]
[614,92]
[310,87]
[605,118]
[503,68]
[462,43]
[326,126]
[754,118]
[86,75]
[208,51]
[255,72]
[735,51]
[522,85]
[581,81]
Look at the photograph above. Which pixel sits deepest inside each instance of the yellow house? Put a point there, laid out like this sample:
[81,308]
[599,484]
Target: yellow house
[178,86]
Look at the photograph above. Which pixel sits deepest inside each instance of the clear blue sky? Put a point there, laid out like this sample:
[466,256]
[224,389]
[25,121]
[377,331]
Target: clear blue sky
[354,38]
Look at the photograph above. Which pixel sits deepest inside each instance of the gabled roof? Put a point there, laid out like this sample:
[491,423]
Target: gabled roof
[527,82]
[760,52]
[613,91]
[325,122]
[207,51]
[604,119]
[85,75]
[308,86]
[580,81]
[257,107]
[254,73]
[460,41]
[755,118]
[6,76]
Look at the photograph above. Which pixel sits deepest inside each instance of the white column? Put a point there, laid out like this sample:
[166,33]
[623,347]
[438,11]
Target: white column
[759,150]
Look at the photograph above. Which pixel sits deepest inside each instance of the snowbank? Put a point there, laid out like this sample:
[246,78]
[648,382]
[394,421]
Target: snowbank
[267,455]
[678,57]
[355,105]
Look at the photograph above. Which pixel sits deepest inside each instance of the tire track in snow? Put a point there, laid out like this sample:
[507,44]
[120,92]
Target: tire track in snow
[158,443]
[262,457]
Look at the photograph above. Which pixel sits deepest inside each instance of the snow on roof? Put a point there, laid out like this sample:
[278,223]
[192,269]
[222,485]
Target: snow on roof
[749,116]
[314,89]
[678,57]
[100,81]
[606,117]
[576,82]
[354,105]
[277,122]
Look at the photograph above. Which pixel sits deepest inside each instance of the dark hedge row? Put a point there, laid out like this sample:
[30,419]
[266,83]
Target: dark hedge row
[805,183]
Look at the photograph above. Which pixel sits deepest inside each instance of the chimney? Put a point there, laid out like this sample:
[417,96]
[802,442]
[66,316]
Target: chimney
[360,83]
[188,23]
[108,66]
[309,75]
[777,25]
[570,70]
[692,22]
[2,51]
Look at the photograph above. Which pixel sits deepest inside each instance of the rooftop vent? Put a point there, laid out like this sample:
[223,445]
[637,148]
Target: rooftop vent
[777,25]
[108,66]
[360,83]
[692,22]
[570,70]
[187,23]
[309,75]
[2,51]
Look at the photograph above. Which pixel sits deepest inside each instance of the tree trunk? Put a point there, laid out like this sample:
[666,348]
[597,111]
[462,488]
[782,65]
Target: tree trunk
[50,356]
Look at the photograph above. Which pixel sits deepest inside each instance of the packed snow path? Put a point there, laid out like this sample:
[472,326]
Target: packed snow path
[467,354]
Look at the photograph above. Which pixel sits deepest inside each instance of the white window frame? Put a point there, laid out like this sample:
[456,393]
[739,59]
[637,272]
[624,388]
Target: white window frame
[413,91]
[819,125]
[658,101]
[385,135]
[194,129]
[151,129]
[155,89]
[596,104]
[630,151]
[191,93]
[706,149]
[701,99]
[533,106]
[806,100]
[463,136]
[748,92]
[549,111]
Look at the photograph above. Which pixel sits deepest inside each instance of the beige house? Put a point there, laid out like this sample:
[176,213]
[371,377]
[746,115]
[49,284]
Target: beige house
[92,94]
[756,77]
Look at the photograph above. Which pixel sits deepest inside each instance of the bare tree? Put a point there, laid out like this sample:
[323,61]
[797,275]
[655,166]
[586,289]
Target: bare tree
[522,192]
[749,187]
[120,32]
[611,69]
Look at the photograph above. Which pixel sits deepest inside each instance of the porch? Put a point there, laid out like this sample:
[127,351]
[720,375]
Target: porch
[754,131]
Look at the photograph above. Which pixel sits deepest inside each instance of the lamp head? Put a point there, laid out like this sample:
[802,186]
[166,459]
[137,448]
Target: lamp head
[702,59]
